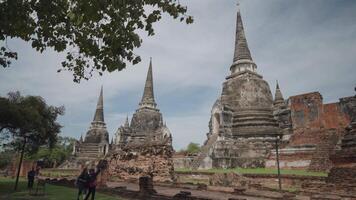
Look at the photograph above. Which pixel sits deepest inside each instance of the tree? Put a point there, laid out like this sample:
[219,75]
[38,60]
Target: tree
[96,35]
[6,157]
[56,155]
[192,148]
[29,123]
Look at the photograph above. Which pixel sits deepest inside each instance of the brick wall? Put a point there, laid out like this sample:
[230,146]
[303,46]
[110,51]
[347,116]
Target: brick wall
[311,118]
[312,122]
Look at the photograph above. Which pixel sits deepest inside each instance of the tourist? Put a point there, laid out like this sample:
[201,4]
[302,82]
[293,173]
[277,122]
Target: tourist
[92,183]
[38,168]
[82,183]
[31,178]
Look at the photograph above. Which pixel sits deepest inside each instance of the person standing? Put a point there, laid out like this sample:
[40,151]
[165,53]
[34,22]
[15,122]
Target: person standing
[82,183]
[92,183]
[31,178]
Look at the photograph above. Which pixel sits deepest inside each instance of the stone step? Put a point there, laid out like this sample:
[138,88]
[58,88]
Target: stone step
[83,146]
[89,144]
[87,154]
[204,151]
[89,150]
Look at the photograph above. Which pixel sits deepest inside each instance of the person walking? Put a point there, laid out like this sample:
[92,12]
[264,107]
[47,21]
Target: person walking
[31,178]
[82,183]
[92,183]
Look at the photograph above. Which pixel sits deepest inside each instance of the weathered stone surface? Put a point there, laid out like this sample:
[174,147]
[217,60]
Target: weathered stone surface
[320,160]
[182,161]
[314,130]
[146,185]
[242,126]
[132,162]
[228,180]
[146,124]
[344,159]
[95,145]
[310,117]
[144,146]
[245,122]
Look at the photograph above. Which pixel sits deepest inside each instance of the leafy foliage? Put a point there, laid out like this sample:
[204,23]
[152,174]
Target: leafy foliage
[56,155]
[96,35]
[6,158]
[30,119]
[192,148]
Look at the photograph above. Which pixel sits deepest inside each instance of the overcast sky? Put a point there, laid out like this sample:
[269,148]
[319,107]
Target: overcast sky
[307,45]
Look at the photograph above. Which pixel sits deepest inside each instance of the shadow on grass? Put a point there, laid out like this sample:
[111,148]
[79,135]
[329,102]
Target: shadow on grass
[52,192]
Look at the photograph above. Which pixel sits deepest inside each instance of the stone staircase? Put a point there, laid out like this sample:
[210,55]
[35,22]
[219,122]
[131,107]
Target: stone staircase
[204,152]
[89,151]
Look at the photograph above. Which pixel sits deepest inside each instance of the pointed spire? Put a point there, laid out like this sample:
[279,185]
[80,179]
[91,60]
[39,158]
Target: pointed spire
[81,139]
[242,60]
[241,48]
[99,113]
[127,121]
[278,95]
[148,95]
[112,140]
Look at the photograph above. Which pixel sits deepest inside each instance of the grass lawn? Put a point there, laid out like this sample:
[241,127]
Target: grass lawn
[52,192]
[258,171]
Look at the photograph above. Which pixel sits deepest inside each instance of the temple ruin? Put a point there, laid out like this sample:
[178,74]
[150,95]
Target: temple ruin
[95,145]
[246,122]
[242,126]
[147,124]
[144,146]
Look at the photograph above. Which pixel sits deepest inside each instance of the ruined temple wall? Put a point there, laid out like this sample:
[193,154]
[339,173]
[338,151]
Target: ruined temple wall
[310,118]
[306,118]
[132,162]
[182,161]
[334,117]
[311,121]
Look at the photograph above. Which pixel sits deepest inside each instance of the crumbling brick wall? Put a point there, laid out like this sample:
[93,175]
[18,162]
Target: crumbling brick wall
[311,118]
[311,123]
[26,166]
[132,162]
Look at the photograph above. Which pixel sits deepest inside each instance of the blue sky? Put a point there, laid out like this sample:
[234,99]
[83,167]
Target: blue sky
[307,45]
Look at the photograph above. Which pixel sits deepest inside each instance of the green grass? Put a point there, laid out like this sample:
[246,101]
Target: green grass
[52,192]
[258,171]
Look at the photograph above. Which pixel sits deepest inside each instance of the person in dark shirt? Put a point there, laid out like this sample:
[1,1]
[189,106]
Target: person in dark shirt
[31,178]
[92,183]
[82,182]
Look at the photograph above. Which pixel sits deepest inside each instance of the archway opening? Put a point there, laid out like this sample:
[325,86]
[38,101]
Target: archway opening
[216,123]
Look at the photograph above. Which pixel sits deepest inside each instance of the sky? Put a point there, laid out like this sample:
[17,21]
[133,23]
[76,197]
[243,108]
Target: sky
[306,45]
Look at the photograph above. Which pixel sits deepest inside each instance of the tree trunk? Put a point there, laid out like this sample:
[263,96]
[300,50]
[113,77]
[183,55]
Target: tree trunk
[20,163]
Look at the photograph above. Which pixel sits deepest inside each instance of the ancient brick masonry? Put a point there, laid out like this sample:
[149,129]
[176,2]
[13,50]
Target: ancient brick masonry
[144,146]
[95,144]
[246,121]
[344,159]
[132,162]
[242,126]
[313,133]
[147,122]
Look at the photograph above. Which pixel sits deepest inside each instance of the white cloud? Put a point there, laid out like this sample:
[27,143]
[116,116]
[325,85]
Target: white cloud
[307,46]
